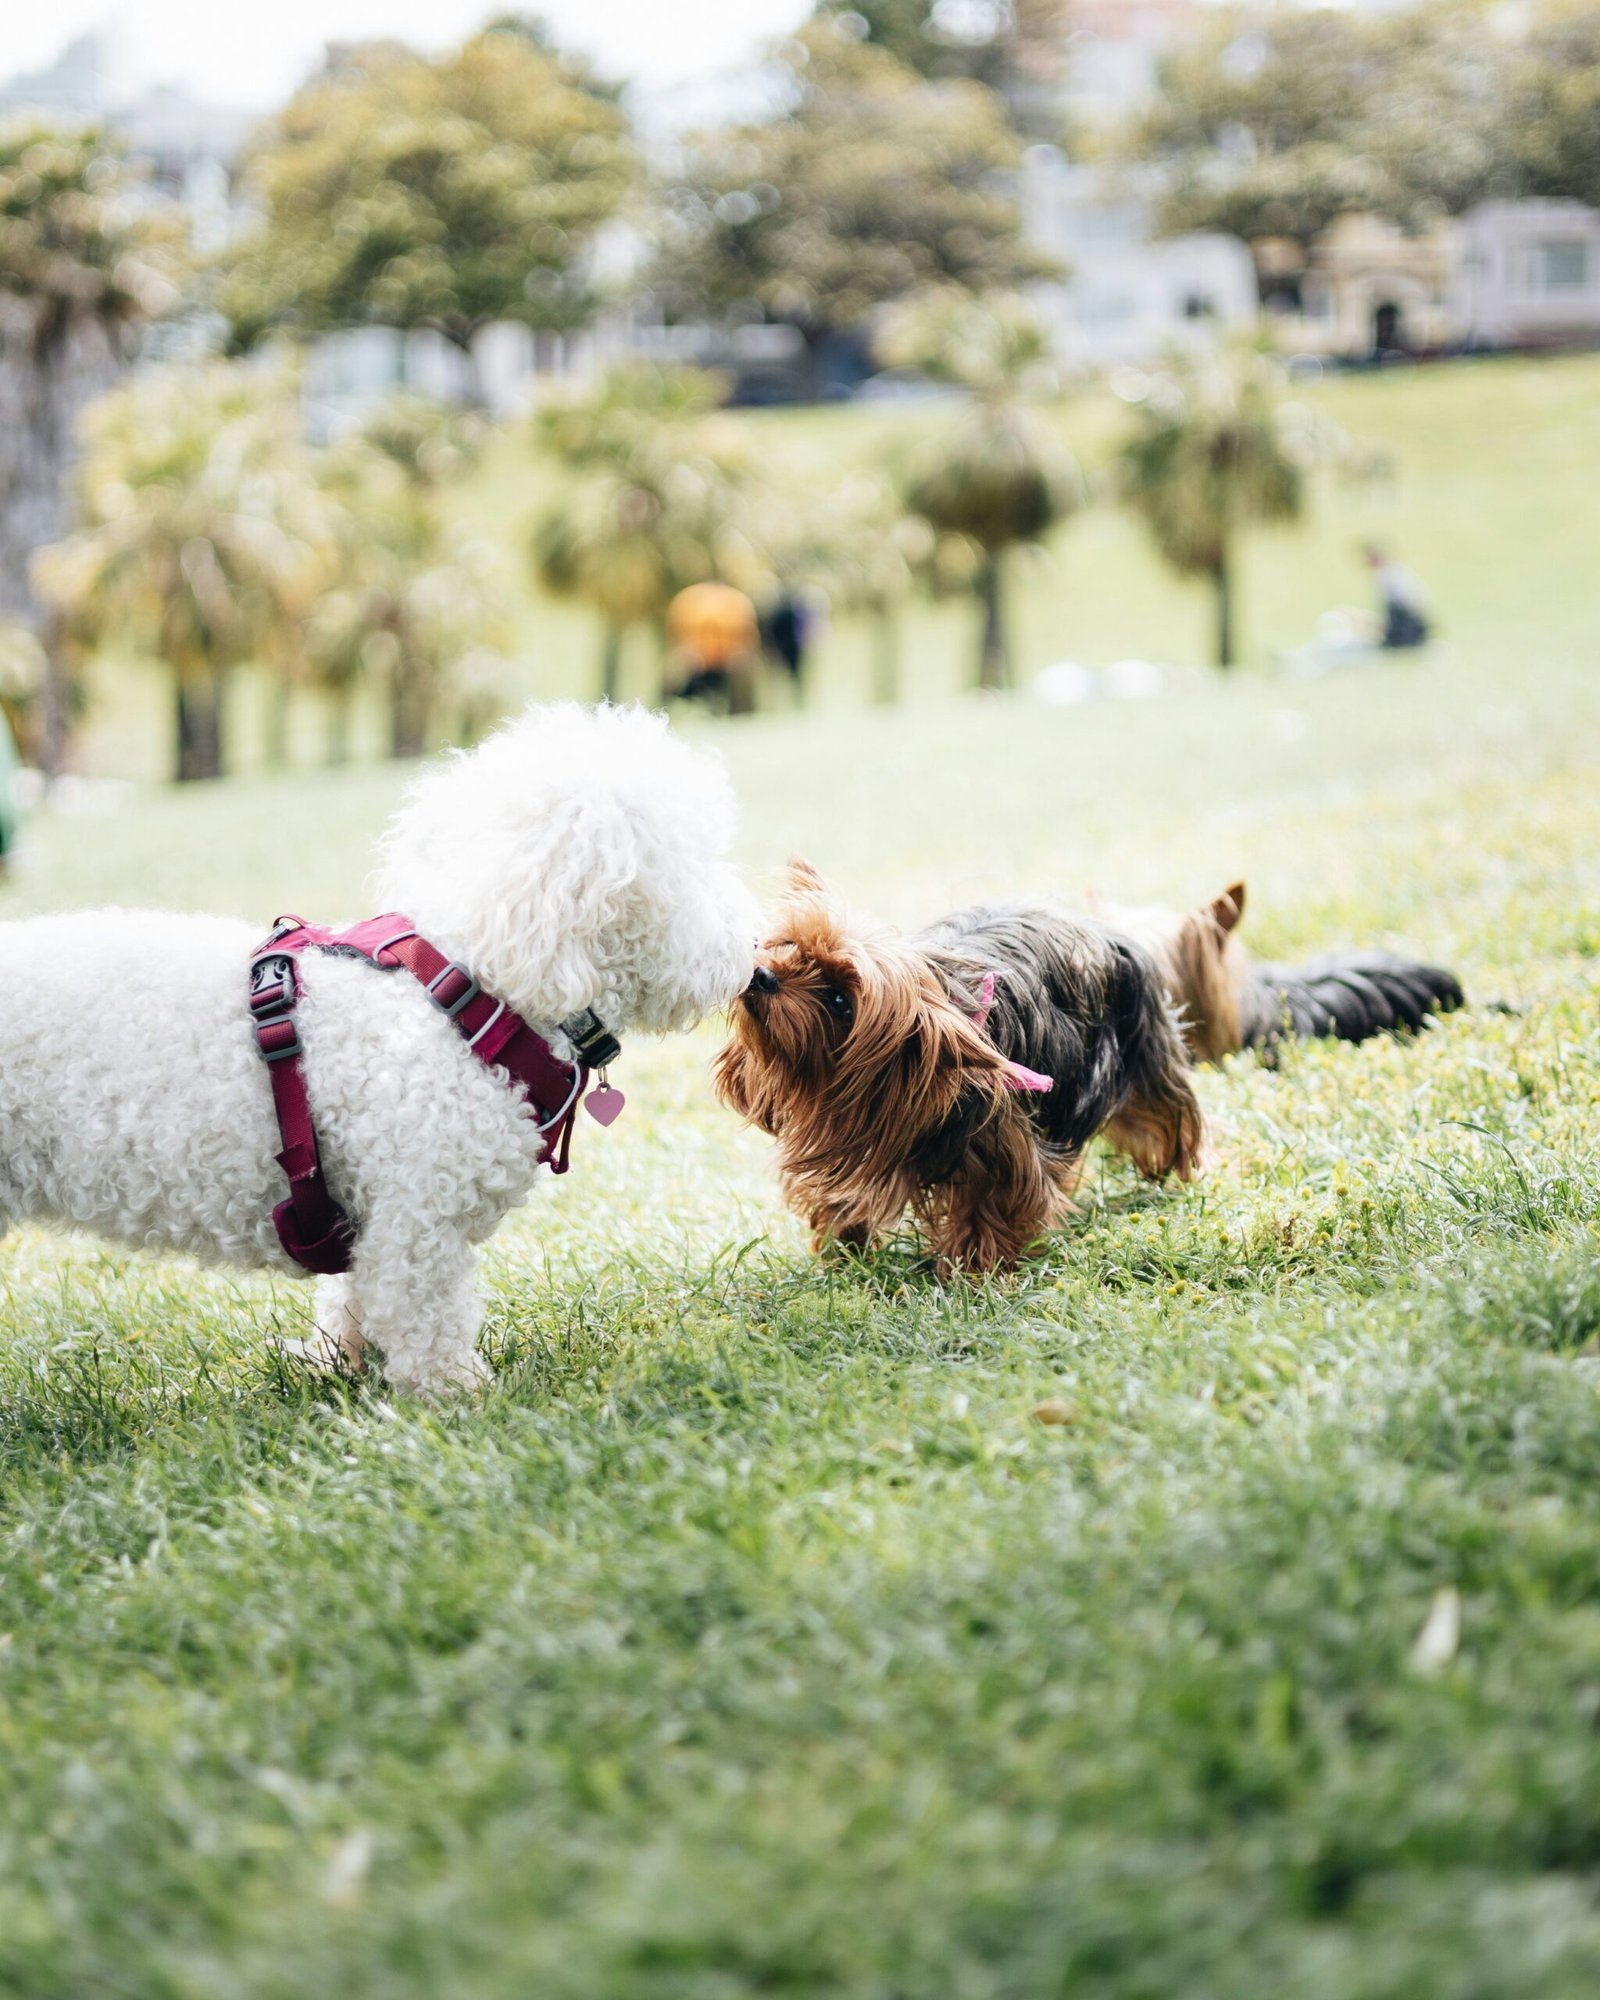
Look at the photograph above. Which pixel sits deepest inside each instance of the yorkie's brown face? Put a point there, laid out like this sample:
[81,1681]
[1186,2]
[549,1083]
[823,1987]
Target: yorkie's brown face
[811,983]
[879,1089]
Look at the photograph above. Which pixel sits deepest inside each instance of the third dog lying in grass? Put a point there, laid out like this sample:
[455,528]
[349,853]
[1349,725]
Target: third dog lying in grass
[1226,1002]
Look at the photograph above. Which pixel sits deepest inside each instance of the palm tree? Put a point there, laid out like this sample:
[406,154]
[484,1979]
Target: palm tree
[1214,447]
[852,538]
[997,478]
[656,483]
[82,264]
[204,538]
[415,596]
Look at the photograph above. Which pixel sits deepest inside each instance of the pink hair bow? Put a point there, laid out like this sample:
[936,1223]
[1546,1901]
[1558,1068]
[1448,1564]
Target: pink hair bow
[1017,1076]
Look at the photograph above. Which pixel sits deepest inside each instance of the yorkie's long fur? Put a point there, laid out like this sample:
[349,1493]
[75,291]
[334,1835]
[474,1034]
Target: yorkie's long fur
[1227,1002]
[903,1073]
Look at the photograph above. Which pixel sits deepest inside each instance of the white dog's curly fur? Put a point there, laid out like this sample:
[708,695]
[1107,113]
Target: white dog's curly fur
[574,860]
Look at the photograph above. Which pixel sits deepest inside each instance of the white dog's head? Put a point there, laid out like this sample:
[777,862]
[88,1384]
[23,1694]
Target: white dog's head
[577,859]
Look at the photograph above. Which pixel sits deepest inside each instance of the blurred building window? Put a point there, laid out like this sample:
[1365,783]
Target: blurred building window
[1561,266]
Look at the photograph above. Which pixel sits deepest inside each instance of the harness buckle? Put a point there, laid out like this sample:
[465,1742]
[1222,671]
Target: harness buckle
[278,1038]
[451,999]
[273,989]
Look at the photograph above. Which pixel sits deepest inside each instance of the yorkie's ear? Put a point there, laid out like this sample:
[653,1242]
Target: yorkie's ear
[804,880]
[743,1085]
[1228,908]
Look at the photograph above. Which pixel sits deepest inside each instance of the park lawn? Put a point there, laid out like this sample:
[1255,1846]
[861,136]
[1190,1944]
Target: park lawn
[752,1634]
[1488,493]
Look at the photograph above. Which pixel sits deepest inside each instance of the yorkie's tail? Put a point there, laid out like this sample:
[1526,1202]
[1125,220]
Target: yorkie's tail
[1351,995]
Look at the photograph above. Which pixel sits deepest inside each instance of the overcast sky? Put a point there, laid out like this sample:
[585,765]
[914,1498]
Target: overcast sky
[251,53]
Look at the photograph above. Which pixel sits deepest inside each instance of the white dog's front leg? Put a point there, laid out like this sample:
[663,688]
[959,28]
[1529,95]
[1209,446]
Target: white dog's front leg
[339,1325]
[416,1302]
[337,1340]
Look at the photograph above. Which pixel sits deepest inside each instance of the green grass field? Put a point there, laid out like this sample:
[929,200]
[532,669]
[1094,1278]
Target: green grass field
[752,1635]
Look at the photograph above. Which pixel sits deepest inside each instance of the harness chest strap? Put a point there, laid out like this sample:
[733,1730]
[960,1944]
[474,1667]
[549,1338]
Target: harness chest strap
[311,1225]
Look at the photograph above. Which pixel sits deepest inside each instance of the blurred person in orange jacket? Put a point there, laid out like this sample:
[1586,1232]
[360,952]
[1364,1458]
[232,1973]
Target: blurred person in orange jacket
[716,636]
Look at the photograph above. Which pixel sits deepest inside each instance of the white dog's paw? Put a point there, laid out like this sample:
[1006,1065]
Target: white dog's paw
[442,1375]
[322,1353]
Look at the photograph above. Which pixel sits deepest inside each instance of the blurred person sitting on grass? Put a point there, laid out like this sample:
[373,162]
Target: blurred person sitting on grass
[1354,638]
[1403,603]
[715,638]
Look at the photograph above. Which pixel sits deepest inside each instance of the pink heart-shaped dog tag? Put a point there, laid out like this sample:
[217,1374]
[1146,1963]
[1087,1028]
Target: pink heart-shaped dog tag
[604,1104]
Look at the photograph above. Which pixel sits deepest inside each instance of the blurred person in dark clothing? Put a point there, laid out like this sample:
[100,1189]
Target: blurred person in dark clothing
[1403,605]
[786,633]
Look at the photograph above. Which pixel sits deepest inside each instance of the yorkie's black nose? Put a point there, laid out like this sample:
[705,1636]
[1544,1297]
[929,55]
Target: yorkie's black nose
[763,981]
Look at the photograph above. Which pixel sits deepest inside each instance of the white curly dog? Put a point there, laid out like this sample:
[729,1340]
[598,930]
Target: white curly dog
[575,860]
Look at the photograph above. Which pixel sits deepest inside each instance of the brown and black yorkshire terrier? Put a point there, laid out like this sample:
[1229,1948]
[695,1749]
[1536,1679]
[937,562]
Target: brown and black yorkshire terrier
[906,1073]
[1227,1002]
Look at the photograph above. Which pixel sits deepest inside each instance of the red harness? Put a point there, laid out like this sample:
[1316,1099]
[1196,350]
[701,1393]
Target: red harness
[311,1225]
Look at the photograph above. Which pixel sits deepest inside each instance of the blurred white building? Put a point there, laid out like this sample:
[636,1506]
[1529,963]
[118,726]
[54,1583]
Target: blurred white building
[1128,293]
[190,150]
[1527,274]
[1507,274]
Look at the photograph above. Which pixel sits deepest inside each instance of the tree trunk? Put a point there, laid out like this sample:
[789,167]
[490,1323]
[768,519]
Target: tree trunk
[275,733]
[1222,577]
[56,699]
[812,381]
[199,721]
[666,667]
[885,657]
[994,654]
[410,697]
[462,339]
[408,714]
[338,725]
[45,383]
[610,663]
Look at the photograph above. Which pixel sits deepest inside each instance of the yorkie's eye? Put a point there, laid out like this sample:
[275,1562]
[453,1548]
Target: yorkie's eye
[837,1002]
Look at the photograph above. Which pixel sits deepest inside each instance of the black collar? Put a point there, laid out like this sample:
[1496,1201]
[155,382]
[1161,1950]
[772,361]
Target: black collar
[594,1042]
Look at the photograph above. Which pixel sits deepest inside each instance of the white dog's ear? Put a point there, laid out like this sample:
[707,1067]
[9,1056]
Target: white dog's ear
[525,877]
[573,860]
[557,903]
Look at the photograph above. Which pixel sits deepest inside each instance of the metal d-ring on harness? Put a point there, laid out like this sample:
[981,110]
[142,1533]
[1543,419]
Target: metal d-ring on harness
[311,1225]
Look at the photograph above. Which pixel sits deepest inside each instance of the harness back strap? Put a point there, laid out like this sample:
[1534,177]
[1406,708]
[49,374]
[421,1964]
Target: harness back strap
[311,1225]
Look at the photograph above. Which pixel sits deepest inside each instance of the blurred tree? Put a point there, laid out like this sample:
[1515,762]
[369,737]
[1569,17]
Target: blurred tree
[873,184]
[1275,124]
[82,264]
[849,536]
[998,478]
[205,537]
[1214,447]
[1552,100]
[1016,47]
[414,600]
[447,194]
[657,479]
